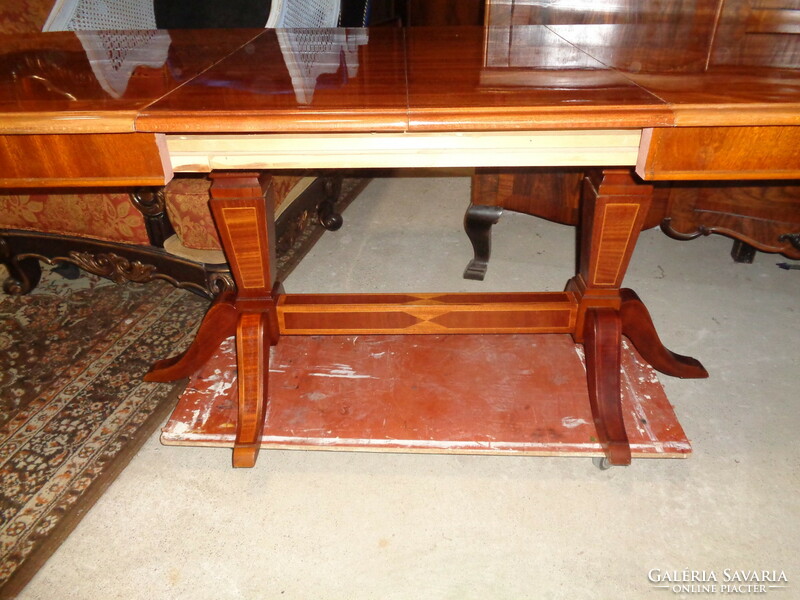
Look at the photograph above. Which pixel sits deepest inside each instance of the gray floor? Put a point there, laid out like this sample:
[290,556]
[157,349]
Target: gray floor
[180,523]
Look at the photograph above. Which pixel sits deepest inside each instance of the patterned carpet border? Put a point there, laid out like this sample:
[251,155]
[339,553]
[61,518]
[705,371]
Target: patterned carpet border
[73,407]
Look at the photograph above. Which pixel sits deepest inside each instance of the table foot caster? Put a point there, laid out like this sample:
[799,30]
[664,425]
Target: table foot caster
[604,464]
[601,462]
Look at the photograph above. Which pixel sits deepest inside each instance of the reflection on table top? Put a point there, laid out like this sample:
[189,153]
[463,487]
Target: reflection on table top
[642,70]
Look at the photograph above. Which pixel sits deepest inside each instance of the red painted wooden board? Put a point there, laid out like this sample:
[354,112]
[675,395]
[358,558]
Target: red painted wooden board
[496,394]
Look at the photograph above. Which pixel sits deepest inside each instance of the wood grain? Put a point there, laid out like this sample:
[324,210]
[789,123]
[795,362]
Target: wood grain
[202,153]
[290,81]
[219,322]
[426,13]
[338,314]
[81,160]
[242,205]
[93,81]
[614,206]
[614,210]
[759,213]
[713,153]
[243,208]
[253,374]
[602,345]
[638,327]
[550,193]
[699,57]
[463,79]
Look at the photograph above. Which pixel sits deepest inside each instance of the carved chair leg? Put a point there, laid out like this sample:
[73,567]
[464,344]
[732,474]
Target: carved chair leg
[152,203]
[602,345]
[328,216]
[478,221]
[742,252]
[218,324]
[23,275]
[637,326]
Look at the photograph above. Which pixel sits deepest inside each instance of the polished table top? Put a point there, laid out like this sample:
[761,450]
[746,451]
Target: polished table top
[527,77]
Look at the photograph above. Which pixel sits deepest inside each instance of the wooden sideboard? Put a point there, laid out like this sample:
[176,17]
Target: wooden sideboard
[241,103]
[714,35]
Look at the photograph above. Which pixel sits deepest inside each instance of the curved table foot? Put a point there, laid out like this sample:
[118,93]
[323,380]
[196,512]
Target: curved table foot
[23,275]
[638,327]
[478,221]
[218,324]
[602,345]
[252,350]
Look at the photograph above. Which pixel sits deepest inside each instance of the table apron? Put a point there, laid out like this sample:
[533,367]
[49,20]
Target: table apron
[204,153]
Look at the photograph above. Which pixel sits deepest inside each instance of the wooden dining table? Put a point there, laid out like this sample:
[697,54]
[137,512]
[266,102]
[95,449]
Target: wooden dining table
[633,104]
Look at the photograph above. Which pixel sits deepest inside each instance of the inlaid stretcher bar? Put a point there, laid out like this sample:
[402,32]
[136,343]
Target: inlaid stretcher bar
[340,314]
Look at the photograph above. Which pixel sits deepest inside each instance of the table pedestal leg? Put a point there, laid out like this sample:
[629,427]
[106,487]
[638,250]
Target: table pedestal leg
[242,205]
[614,208]
[597,311]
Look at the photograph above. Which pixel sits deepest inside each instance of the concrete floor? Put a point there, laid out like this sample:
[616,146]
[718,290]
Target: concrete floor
[180,523]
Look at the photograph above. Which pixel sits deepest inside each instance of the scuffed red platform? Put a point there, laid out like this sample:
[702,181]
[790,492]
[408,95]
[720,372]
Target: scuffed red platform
[496,394]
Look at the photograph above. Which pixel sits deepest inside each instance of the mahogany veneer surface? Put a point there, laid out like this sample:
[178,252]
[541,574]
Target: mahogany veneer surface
[666,12]
[60,83]
[648,71]
[77,160]
[525,78]
[295,80]
[517,394]
[737,153]
[724,80]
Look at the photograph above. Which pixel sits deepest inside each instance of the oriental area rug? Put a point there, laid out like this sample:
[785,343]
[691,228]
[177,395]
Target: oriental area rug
[73,407]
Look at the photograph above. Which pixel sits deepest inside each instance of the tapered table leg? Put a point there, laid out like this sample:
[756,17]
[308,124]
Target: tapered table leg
[614,207]
[242,205]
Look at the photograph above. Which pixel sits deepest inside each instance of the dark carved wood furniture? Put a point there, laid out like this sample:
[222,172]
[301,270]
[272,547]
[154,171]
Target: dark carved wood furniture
[205,272]
[757,215]
[421,98]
